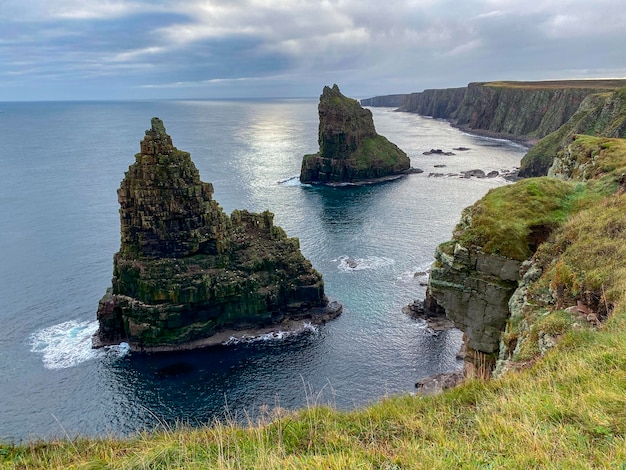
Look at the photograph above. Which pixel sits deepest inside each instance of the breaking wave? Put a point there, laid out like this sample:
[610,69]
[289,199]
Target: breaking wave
[293,181]
[271,336]
[69,344]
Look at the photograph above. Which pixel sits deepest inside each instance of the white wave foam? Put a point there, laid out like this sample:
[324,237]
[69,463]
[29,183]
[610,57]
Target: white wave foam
[420,273]
[293,181]
[348,263]
[119,350]
[271,336]
[66,344]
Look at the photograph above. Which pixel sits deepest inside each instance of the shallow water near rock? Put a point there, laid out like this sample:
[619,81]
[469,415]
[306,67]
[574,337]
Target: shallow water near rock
[62,164]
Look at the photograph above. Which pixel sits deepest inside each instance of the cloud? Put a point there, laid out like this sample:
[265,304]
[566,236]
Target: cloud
[208,46]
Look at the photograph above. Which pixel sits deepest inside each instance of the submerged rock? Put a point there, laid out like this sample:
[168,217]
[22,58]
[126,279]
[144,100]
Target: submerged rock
[186,270]
[430,311]
[350,149]
[438,152]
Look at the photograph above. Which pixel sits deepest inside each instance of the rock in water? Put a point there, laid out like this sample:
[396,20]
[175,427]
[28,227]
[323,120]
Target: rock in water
[350,148]
[186,270]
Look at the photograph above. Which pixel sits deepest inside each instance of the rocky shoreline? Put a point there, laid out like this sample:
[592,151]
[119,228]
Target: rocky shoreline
[230,336]
[434,316]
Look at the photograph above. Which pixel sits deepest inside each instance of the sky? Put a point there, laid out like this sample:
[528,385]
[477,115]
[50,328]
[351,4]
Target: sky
[202,49]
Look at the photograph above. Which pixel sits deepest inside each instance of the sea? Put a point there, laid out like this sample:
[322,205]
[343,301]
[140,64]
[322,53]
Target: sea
[60,166]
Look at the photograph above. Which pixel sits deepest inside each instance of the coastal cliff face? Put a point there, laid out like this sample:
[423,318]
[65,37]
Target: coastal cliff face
[525,111]
[600,114]
[517,110]
[476,273]
[474,289]
[350,149]
[436,103]
[185,270]
[387,101]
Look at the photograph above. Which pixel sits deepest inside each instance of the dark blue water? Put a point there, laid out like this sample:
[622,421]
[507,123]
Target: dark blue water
[61,164]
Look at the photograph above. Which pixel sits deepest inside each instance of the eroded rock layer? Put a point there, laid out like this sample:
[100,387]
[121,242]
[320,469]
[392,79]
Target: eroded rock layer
[350,149]
[186,270]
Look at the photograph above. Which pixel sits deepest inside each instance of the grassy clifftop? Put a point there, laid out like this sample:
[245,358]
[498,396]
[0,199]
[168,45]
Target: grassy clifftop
[554,84]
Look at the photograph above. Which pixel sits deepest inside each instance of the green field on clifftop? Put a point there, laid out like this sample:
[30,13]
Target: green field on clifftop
[554,84]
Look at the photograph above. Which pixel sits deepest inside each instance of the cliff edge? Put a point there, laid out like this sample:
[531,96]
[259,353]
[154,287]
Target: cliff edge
[599,114]
[188,275]
[520,111]
[350,150]
[535,259]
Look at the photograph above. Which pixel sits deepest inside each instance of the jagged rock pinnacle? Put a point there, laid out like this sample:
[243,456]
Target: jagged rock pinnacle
[187,271]
[158,126]
[349,147]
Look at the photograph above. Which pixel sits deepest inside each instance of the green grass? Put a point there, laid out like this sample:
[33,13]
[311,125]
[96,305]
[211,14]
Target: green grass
[502,221]
[567,411]
[379,152]
[585,258]
[602,155]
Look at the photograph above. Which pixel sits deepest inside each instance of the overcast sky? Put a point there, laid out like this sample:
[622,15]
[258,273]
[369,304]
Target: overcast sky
[127,49]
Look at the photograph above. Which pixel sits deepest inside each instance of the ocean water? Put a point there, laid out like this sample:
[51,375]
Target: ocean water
[61,165]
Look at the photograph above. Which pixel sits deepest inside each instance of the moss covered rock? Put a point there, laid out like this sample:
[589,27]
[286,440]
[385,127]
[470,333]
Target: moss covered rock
[186,270]
[350,149]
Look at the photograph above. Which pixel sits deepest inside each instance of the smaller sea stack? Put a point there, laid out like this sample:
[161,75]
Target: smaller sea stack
[188,275]
[350,149]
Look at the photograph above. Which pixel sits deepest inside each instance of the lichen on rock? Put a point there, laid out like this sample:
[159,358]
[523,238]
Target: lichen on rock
[350,150]
[186,270]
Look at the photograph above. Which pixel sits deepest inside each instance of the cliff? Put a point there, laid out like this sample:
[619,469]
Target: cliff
[525,111]
[350,150]
[532,260]
[600,114]
[475,274]
[186,271]
[386,101]
[436,103]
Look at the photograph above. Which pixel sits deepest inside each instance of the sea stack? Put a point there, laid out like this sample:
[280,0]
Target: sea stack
[350,149]
[188,275]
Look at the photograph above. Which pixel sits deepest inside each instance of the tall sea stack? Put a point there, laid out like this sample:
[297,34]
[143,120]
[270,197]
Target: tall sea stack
[186,270]
[350,149]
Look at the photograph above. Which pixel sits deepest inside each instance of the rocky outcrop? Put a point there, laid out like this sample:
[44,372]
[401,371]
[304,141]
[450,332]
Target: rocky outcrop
[600,114]
[474,289]
[350,149]
[187,271]
[476,273]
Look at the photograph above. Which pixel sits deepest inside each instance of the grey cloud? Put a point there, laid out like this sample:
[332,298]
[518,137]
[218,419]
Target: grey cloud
[217,48]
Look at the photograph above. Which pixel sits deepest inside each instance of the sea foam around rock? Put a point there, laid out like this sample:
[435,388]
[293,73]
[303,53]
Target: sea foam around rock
[348,263]
[68,344]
